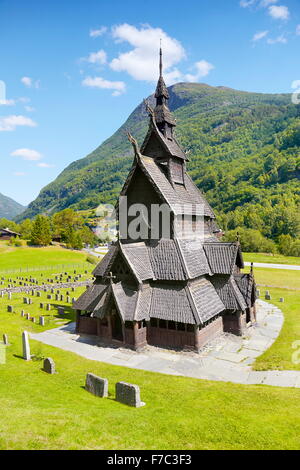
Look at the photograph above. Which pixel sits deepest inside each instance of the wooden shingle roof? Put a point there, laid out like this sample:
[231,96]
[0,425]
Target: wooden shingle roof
[89,299]
[222,257]
[206,301]
[229,292]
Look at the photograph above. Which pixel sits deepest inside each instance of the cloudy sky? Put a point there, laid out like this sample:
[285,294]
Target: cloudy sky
[71,72]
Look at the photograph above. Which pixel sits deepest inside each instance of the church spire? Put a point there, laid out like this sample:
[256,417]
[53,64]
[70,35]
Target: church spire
[163,116]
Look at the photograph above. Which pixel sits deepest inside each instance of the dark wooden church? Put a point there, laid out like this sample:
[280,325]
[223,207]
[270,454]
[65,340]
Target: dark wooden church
[178,291]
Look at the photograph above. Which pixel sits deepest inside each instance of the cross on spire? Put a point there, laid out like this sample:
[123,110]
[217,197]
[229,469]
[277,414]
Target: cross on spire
[110,277]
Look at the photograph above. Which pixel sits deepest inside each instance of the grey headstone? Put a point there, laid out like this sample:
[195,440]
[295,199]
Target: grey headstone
[267,297]
[96,385]
[5,339]
[9,295]
[38,294]
[281,299]
[26,346]
[10,308]
[128,394]
[42,321]
[49,365]
[48,307]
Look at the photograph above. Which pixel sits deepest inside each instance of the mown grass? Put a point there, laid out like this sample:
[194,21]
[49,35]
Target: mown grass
[270,258]
[39,411]
[31,257]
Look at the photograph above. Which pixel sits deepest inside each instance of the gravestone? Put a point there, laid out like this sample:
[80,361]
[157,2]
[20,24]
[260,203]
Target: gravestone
[49,296]
[281,299]
[49,365]
[10,308]
[5,339]
[41,305]
[128,394]
[267,297]
[38,294]
[96,385]
[42,321]
[9,295]
[48,307]
[257,293]
[60,310]
[26,346]
[22,313]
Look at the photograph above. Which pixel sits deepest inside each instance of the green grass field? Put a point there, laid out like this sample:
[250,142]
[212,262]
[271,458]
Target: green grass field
[270,258]
[40,411]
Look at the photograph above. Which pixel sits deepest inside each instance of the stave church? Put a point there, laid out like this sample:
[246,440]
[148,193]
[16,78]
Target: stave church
[178,289]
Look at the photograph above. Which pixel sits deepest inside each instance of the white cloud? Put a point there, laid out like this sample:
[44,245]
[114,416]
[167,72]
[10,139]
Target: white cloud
[96,57]
[29,109]
[202,70]
[7,102]
[19,173]
[95,33]
[280,39]
[30,83]
[266,3]
[260,35]
[27,154]
[280,12]
[298,30]
[27,81]
[141,62]
[9,123]
[99,82]
[247,3]
[45,165]
[256,3]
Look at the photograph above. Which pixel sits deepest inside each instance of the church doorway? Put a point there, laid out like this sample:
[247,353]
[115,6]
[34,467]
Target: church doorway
[116,326]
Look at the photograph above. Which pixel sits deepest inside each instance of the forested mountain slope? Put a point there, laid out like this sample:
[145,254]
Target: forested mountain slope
[244,154]
[9,208]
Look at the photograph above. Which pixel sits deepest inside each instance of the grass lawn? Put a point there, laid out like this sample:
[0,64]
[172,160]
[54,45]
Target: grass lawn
[39,411]
[12,258]
[270,258]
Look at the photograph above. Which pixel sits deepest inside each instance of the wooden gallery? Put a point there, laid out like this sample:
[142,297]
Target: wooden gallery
[179,291]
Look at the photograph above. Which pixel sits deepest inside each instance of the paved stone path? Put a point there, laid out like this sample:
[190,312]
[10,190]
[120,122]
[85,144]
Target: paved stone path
[228,358]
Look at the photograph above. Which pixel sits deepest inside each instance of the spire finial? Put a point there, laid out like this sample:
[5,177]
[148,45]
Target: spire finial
[160,60]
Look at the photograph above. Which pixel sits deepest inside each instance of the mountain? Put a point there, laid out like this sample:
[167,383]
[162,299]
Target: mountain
[243,150]
[9,208]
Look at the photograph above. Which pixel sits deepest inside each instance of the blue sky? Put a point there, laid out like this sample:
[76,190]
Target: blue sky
[74,70]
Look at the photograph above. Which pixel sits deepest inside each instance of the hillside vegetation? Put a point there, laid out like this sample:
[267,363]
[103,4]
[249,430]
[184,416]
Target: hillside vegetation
[9,208]
[243,150]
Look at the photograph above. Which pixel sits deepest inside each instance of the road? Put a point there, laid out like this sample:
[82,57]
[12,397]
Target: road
[291,267]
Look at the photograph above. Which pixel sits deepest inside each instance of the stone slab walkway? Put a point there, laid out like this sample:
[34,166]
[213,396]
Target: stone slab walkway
[227,358]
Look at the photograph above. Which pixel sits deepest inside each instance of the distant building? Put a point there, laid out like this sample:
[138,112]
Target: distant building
[6,234]
[175,291]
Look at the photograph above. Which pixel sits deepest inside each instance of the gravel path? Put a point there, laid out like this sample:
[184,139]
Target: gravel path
[227,358]
[291,267]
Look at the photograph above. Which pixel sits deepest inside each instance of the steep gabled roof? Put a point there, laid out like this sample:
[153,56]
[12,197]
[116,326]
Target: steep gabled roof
[229,292]
[194,258]
[105,264]
[206,301]
[171,303]
[246,285]
[126,300]
[169,145]
[138,258]
[165,261]
[222,257]
[89,299]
